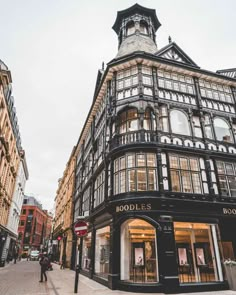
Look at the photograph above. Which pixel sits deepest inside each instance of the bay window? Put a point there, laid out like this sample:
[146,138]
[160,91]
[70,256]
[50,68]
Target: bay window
[187,174]
[135,172]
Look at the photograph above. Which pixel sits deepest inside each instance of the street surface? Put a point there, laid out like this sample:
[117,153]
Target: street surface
[23,278]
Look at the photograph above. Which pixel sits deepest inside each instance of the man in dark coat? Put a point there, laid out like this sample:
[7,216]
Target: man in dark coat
[44,266]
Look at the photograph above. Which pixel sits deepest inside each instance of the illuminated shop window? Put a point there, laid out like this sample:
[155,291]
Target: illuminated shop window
[198,254]
[138,257]
[102,252]
[86,252]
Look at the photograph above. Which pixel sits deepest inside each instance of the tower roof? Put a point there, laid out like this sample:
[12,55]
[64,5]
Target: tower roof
[136,8]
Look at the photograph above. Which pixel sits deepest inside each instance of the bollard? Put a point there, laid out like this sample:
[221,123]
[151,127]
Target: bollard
[76,278]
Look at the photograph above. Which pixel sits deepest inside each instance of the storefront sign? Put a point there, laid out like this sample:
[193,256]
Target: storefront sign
[229,211]
[133,207]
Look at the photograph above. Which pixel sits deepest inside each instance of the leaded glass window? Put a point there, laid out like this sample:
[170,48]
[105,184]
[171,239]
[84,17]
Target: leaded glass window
[186,174]
[135,172]
[227,178]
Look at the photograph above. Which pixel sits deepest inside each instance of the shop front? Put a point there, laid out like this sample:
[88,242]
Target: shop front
[141,248]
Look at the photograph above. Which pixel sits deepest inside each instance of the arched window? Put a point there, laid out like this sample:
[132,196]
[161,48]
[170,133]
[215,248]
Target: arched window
[138,258]
[149,122]
[128,121]
[130,28]
[222,130]
[179,122]
[143,28]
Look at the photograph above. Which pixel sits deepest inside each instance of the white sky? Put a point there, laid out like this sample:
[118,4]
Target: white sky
[54,49]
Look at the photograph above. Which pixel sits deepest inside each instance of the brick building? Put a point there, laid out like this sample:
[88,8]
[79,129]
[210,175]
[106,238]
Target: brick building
[34,226]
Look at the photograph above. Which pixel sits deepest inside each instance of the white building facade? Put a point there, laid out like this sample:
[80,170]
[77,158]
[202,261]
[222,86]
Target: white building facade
[15,210]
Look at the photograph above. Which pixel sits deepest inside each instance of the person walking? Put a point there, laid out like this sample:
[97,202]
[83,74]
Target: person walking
[44,267]
[15,253]
[63,261]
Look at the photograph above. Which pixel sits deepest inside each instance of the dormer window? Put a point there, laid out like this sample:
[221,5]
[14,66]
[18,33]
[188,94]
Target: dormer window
[130,29]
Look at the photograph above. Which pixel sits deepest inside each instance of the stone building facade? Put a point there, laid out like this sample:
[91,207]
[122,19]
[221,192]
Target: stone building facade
[11,155]
[63,230]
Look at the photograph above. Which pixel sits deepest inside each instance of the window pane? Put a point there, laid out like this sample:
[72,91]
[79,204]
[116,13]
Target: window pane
[152,179]
[131,180]
[220,167]
[122,163]
[232,185]
[141,160]
[130,161]
[168,84]
[175,180]
[174,162]
[186,182]
[141,180]
[135,80]
[229,169]
[179,122]
[183,163]
[223,185]
[122,181]
[161,83]
[116,184]
[133,125]
[151,160]
[147,80]
[194,164]
[196,183]
[222,130]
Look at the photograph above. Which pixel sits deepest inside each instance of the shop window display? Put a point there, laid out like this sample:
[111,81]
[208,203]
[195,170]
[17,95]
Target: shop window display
[86,253]
[138,252]
[102,250]
[198,254]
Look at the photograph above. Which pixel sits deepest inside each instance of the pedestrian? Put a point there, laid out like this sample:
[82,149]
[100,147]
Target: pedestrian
[15,253]
[44,267]
[63,261]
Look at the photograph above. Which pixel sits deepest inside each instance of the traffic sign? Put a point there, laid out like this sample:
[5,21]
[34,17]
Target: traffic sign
[81,228]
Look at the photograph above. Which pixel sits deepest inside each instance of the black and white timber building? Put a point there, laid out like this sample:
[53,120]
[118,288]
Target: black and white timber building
[156,167]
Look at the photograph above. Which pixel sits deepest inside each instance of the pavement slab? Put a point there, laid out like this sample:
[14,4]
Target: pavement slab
[23,277]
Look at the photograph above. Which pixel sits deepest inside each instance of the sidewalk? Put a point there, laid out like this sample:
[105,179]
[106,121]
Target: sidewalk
[62,283]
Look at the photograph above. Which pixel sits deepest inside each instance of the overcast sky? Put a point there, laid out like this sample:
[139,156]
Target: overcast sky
[54,49]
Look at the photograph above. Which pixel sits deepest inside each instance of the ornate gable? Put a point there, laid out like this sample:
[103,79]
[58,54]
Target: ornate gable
[173,52]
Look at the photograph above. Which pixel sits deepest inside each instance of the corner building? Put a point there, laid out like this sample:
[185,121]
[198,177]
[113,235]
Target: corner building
[156,167]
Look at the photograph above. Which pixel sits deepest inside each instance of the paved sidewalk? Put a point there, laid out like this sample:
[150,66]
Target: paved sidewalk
[62,283]
[23,279]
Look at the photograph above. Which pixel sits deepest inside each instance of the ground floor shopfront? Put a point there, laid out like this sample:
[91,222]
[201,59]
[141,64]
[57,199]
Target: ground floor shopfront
[138,247]
[8,245]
